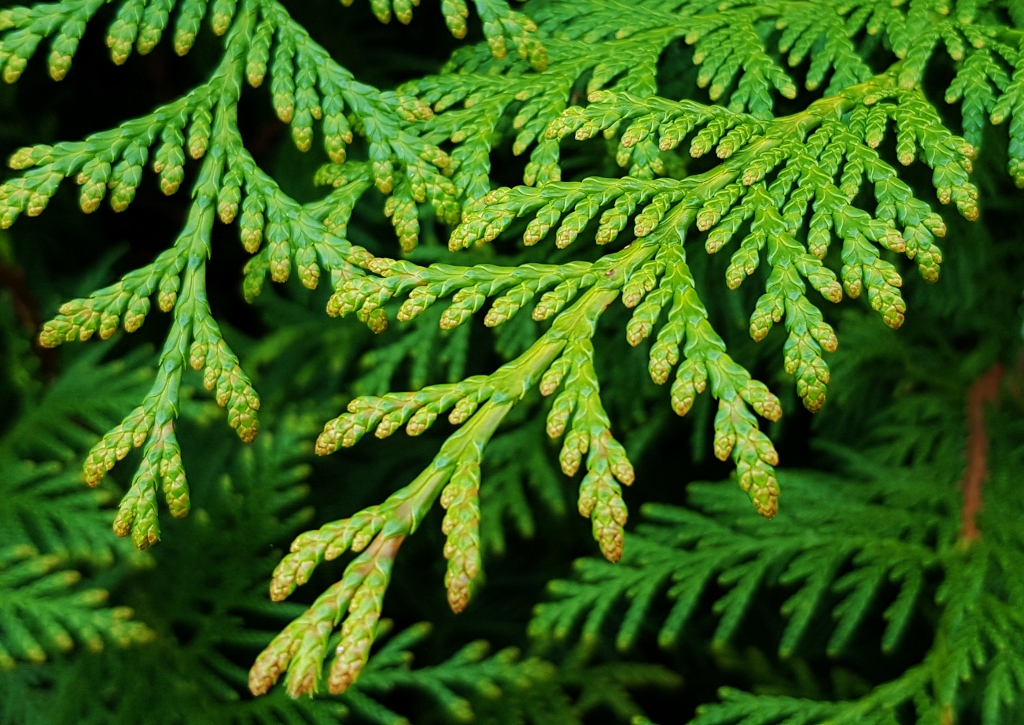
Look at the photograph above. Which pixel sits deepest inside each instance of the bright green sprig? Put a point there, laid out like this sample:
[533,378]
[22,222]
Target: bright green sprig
[307,85]
[181,288]
[124,303]
[469,105]
[737,433]
[280,232]
[111,159]
[419,410]
[138,515]
[563,356]
[461,524]
[229,183]
[480,403]
[152,423]
[302,647]
[589,434]
[726,197]
[358,598]
[469,288]
[502,24]
[688,335]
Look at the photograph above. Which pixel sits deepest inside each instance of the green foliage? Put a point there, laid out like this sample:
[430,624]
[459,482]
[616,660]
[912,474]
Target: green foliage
[54,536]
[809,140]
[874,548]
[867,564]
[807,550]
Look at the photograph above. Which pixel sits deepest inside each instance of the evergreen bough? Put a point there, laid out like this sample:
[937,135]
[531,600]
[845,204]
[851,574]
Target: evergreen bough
[790,160]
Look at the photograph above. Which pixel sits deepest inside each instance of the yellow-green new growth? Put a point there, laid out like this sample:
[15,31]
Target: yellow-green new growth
[461,524]
[302,647]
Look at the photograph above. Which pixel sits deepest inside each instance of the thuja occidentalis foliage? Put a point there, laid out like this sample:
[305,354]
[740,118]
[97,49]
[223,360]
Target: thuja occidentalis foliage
[785,150]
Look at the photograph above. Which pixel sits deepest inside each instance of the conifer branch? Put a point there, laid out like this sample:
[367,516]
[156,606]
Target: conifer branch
[814,194]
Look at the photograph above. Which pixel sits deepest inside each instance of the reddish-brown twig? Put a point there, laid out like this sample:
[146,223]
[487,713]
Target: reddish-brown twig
[984,390]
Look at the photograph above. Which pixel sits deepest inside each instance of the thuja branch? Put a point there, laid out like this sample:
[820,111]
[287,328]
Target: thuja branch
[783,191]
[560,360]
[358,598]
[805,152]
[479,404]
[180,276]
[229,184]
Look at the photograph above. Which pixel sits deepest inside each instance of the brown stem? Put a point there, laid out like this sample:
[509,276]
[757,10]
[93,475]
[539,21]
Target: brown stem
[984,390]
[26,310]
[13,278]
